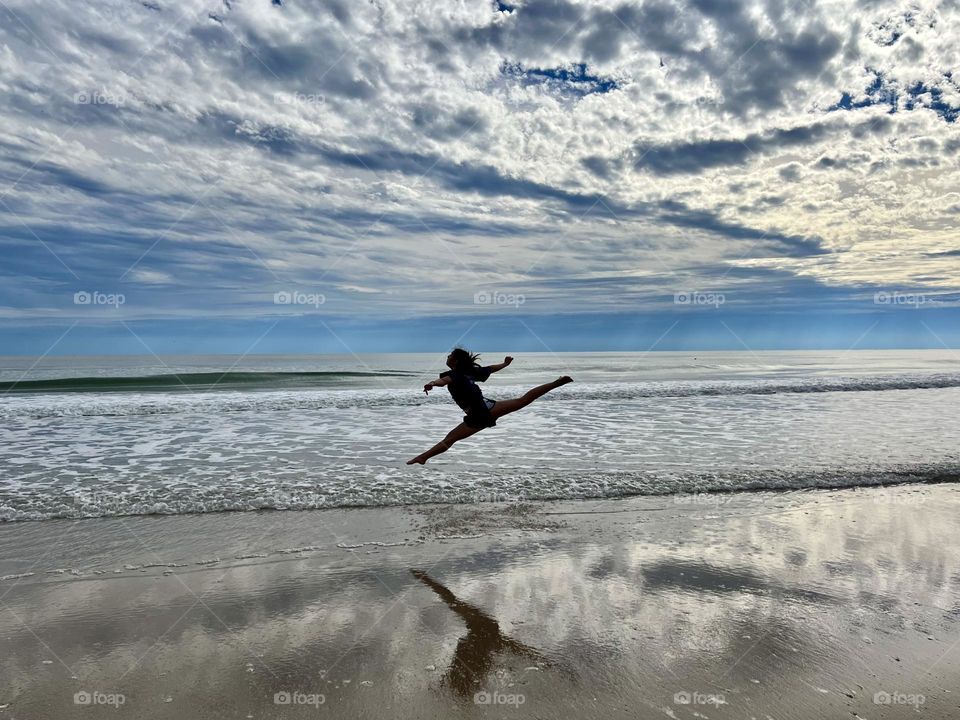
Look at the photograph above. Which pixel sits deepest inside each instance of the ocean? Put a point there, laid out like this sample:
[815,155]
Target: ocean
[107,436]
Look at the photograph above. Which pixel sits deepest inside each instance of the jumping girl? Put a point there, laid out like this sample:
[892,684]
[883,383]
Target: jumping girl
[461,380]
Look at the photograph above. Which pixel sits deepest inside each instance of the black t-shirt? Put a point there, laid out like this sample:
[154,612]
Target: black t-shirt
[463,388]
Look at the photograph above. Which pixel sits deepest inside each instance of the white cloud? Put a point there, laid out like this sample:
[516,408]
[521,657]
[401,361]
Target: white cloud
[421,150]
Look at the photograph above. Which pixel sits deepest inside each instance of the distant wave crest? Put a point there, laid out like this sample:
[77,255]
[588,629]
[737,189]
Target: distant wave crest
[287,391]
[191,381]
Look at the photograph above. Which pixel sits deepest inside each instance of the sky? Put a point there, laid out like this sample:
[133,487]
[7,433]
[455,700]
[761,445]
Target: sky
[258,176]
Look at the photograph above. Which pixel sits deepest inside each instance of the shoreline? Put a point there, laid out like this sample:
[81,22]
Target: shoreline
[694,486]
[799,604]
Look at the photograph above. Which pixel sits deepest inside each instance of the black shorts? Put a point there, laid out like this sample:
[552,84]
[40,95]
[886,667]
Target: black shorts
[481,418]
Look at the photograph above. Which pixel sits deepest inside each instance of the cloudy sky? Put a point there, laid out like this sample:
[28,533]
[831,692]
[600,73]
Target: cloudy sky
[248,175]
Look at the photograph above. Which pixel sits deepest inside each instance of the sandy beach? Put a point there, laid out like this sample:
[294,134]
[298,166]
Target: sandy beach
[767,605]
[534,359]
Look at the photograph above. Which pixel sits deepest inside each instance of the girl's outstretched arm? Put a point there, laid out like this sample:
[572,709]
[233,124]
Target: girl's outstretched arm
[439,382]
[500,366]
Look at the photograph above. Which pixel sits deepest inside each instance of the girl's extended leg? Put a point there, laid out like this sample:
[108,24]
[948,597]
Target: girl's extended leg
[508,406]
[460,432]
[502,407]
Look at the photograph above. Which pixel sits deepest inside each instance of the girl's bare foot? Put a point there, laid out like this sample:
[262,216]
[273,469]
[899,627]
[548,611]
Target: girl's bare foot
[563,380]
[416,461]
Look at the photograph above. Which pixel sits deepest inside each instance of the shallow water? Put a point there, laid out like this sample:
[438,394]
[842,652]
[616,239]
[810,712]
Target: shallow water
[212,434]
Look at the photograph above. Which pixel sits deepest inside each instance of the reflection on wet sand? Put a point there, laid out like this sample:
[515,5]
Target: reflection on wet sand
[700,578]
[478,650]
[788,607]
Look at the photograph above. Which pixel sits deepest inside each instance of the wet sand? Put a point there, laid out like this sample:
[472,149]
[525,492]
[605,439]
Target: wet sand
[800,605]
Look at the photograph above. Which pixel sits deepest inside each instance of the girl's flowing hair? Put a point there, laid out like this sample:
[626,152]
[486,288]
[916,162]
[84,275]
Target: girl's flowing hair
[464,360]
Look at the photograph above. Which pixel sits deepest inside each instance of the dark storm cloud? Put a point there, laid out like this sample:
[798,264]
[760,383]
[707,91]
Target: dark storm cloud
[692,157]
[441,124]
[754,68]
[488,180]
[790,172]
[682,157]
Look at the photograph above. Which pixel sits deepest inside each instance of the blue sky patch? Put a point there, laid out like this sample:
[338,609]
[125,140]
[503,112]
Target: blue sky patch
[919,95]
[572,79]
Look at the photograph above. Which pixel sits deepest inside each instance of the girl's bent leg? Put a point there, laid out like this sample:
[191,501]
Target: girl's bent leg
[460,432]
